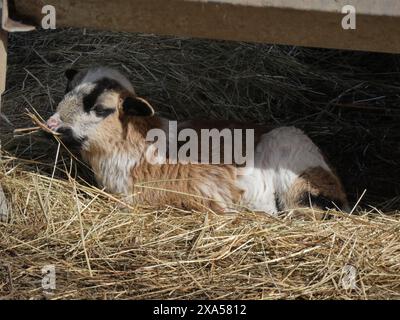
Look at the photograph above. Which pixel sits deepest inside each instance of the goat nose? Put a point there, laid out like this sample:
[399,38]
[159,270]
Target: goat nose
[52,123]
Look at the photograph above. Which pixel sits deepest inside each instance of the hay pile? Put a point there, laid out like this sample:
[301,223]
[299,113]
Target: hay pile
[347,102]
[101,250]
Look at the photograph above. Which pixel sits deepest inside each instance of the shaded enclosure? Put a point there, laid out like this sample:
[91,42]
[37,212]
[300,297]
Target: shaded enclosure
[103,248]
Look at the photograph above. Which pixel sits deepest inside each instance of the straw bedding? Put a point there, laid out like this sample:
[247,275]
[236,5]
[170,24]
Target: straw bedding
[102,248]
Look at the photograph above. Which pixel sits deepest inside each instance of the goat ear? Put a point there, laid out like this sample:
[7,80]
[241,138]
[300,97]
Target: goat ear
[70,74]
[136,106]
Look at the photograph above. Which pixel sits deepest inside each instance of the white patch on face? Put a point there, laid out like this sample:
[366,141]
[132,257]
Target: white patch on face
[71,114]
[70,111]
[280,157]
[85,125]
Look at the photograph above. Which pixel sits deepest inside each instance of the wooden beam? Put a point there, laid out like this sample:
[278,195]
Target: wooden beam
[4,211]
[305,23]
[371,7]
[3,61]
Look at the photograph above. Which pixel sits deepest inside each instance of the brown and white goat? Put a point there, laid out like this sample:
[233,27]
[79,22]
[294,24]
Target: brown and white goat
[102,116]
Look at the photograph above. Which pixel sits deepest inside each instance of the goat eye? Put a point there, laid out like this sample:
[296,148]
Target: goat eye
[102,111]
